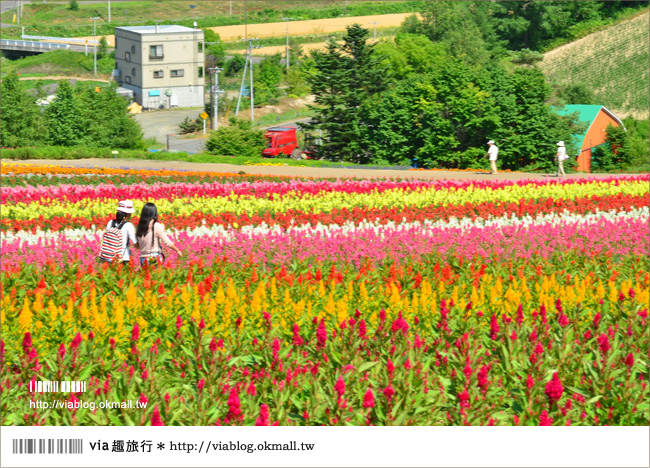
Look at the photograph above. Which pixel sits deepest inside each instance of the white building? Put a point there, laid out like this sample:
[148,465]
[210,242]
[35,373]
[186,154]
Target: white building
[163,65]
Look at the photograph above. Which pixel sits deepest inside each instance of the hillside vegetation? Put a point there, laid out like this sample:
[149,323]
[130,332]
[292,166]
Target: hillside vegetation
[613,62]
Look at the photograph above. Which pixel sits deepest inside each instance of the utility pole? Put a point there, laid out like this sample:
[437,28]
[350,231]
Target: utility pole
[95,41]
[374,29]
[248,66]
[215,97]
[287,20]
[109,11]
[230,7]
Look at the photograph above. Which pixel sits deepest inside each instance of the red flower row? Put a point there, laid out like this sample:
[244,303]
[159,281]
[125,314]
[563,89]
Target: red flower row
[288,218]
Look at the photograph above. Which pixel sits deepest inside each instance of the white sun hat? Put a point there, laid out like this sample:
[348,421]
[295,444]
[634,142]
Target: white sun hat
[491,142]
[560,143]
[125,206]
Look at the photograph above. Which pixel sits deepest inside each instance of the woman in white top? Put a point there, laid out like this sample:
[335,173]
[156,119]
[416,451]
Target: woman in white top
[493,154]
[560,157]
[122,222]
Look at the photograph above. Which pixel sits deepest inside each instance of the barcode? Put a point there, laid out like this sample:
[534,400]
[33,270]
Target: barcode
[67,386]
[72,446]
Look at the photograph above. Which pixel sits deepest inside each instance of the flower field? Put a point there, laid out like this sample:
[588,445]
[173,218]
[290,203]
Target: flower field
[329,302]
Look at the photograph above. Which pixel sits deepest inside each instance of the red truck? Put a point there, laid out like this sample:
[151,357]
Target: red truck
[283,141]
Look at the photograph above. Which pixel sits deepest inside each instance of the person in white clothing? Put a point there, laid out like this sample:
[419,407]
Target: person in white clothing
[560,157]
[492,153]
[122,221]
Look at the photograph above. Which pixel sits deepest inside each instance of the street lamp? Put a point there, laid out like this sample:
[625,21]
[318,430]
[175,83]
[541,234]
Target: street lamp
[109,11]
[95,41]
[287,20]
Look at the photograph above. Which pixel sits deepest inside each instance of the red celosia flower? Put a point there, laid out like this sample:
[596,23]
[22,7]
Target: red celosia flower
[179,322]
[156,420]
[544,419]
[603,343]
[201,324]
[482,377]
[539,348]
[135,333]
[62,351]
[213,345]
[263,419]
[369,399]
[27,342]
[321,334]
[167,397]
[234,405]
[597,318]
[340,387]
[520,315]
[200,384]
[554,388]
[629,360]
[529,382]
[463,397]
[494,327]
[563,320]
[362,329]
[297,340]
[76,341]
[143,399]
[389,392]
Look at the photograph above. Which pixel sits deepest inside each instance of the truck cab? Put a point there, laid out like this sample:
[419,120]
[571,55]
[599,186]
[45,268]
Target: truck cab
[280,142]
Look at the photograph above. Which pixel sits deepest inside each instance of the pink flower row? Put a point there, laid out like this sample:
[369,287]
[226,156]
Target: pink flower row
[157,191]
[619,237]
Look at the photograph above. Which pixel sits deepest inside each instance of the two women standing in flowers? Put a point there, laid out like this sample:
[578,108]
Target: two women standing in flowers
[148,236]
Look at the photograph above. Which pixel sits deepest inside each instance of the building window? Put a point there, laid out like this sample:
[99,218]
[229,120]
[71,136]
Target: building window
[158,73]
[200,47]
[200,72]
[127,56]
[177,73]
[133,49]
[127,79]
[156,52]
[133,72]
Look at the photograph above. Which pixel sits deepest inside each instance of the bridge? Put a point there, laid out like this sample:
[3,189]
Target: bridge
[21,48]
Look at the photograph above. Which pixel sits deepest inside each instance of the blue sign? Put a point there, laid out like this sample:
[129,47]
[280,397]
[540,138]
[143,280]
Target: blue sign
[155,92]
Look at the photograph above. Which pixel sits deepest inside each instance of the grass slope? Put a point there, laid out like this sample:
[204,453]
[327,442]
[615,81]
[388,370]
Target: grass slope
[60,62]
[613,62]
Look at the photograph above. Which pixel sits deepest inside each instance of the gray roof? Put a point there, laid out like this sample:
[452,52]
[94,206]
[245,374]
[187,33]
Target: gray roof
[164,29]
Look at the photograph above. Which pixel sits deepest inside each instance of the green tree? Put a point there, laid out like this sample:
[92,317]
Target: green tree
[102,50]
[529,128]
[234,65]
[215,51]
[238,139]
[267,78]
[452,24]
[432,120]
[73,5]
[20,117]
[344,77]
[65,125]
[106,121]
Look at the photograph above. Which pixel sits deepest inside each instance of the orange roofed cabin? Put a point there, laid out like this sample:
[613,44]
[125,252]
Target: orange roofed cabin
[597,118]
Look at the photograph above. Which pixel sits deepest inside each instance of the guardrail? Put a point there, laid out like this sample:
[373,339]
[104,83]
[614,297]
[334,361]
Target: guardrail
[32,44]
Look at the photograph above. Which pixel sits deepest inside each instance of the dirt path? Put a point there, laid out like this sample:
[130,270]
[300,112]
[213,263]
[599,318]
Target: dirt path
[297,171]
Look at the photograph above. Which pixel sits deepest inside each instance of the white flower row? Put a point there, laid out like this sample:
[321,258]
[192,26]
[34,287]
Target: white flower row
[228,233]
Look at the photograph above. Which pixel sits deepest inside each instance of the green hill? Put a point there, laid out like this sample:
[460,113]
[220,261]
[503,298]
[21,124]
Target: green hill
[613,62]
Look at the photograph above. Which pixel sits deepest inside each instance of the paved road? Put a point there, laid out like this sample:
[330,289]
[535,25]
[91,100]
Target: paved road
[302,171]
[158,124]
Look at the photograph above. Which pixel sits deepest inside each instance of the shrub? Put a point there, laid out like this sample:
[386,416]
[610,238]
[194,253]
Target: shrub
[239,139]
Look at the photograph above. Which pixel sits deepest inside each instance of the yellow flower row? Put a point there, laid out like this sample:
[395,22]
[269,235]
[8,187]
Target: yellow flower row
[221,308]
[327,201]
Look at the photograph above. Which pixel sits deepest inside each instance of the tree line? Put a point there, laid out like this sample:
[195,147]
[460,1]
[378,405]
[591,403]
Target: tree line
[83,115]
[457,76]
